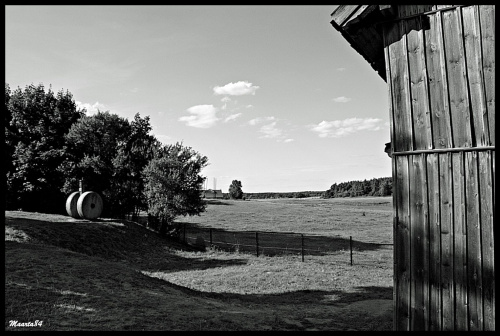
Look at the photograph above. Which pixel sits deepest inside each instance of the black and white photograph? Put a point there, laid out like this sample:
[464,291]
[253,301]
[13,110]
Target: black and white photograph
[249,167]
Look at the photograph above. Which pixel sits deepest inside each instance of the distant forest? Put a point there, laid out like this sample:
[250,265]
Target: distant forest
[375,187]
[296,194]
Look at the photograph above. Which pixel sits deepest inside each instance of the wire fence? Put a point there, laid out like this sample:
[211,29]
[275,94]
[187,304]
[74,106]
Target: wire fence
[274,243]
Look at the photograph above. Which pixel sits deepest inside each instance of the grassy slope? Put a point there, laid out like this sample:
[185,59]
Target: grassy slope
[91,275]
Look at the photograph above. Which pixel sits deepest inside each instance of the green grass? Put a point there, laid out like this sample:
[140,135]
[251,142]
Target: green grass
[117,275]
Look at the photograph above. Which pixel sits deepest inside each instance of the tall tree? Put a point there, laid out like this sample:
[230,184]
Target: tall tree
[93,144]
[172,185]
[235,190]
[131,158]
[36,122]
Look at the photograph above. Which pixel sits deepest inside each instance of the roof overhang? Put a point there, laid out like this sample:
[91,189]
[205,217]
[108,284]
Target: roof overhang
[360,26]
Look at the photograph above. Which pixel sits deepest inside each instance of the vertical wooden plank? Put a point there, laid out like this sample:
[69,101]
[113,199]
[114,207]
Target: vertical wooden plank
[419,243]
[418,84]
[473,54]
[447,237]
[474,257]
[487,23]
[398,62]
[457,81]
[487,238]
[494,181]
[390,96]
[434,242]
[395,187]
[407,10]
[460,242]
[402,244]
[438,85]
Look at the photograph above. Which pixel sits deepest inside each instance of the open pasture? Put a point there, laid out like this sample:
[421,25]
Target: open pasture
[311,226]
[117,275]
[364,218]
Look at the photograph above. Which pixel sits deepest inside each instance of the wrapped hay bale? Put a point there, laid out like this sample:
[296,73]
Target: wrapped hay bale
[89,205]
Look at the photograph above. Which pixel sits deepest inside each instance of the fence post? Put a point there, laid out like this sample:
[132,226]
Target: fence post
[257,242]
[350,247]
[302,245]
[210,237]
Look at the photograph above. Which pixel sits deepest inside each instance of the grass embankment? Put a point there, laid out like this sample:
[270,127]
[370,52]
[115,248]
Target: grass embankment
[107,275]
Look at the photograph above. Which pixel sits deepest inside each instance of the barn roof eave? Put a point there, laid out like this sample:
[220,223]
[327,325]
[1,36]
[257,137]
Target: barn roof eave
[358,25]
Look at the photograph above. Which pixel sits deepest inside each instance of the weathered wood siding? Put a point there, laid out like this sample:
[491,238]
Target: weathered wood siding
[440,69]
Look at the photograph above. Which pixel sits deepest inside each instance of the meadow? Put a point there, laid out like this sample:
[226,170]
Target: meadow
[117,275]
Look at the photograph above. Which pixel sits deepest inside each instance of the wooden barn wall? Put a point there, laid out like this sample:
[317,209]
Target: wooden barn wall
[441,72]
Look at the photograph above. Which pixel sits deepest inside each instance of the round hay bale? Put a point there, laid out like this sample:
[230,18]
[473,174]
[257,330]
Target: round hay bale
[71,204]
[89,205]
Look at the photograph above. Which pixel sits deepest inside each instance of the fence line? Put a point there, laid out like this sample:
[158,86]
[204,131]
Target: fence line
[287,242]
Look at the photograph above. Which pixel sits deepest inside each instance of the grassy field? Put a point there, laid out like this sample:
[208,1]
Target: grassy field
[117,275]
[319,225]
[365,218]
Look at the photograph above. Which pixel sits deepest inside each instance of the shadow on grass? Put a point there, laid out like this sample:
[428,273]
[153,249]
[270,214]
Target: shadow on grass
[116,240]
[216,202]
[273,243]
[70,291]
[313,296]
[72,271]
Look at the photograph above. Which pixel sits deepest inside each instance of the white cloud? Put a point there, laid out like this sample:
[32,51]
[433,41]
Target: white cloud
[236,89]
[288,140]
[270,131]
[232,117]
[341,69]
[249,106]
[341,99]
[259,120]
[203,116]
[340,128]
[91,108]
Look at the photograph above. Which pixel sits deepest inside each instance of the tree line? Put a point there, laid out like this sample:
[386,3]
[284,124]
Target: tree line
[50,144]
[294,194]
[375,187]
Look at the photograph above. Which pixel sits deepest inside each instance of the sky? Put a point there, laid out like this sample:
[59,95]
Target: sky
[274,96]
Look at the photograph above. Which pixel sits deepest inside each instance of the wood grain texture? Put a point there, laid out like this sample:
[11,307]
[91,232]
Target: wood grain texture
[435,311]
[487,27]
[457,80]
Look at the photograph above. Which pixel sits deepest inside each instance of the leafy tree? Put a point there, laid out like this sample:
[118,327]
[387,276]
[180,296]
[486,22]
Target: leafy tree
[385,188]
[35,124]
[235,191]
[374,187]
[172,185]
[94,142]
[131,158]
